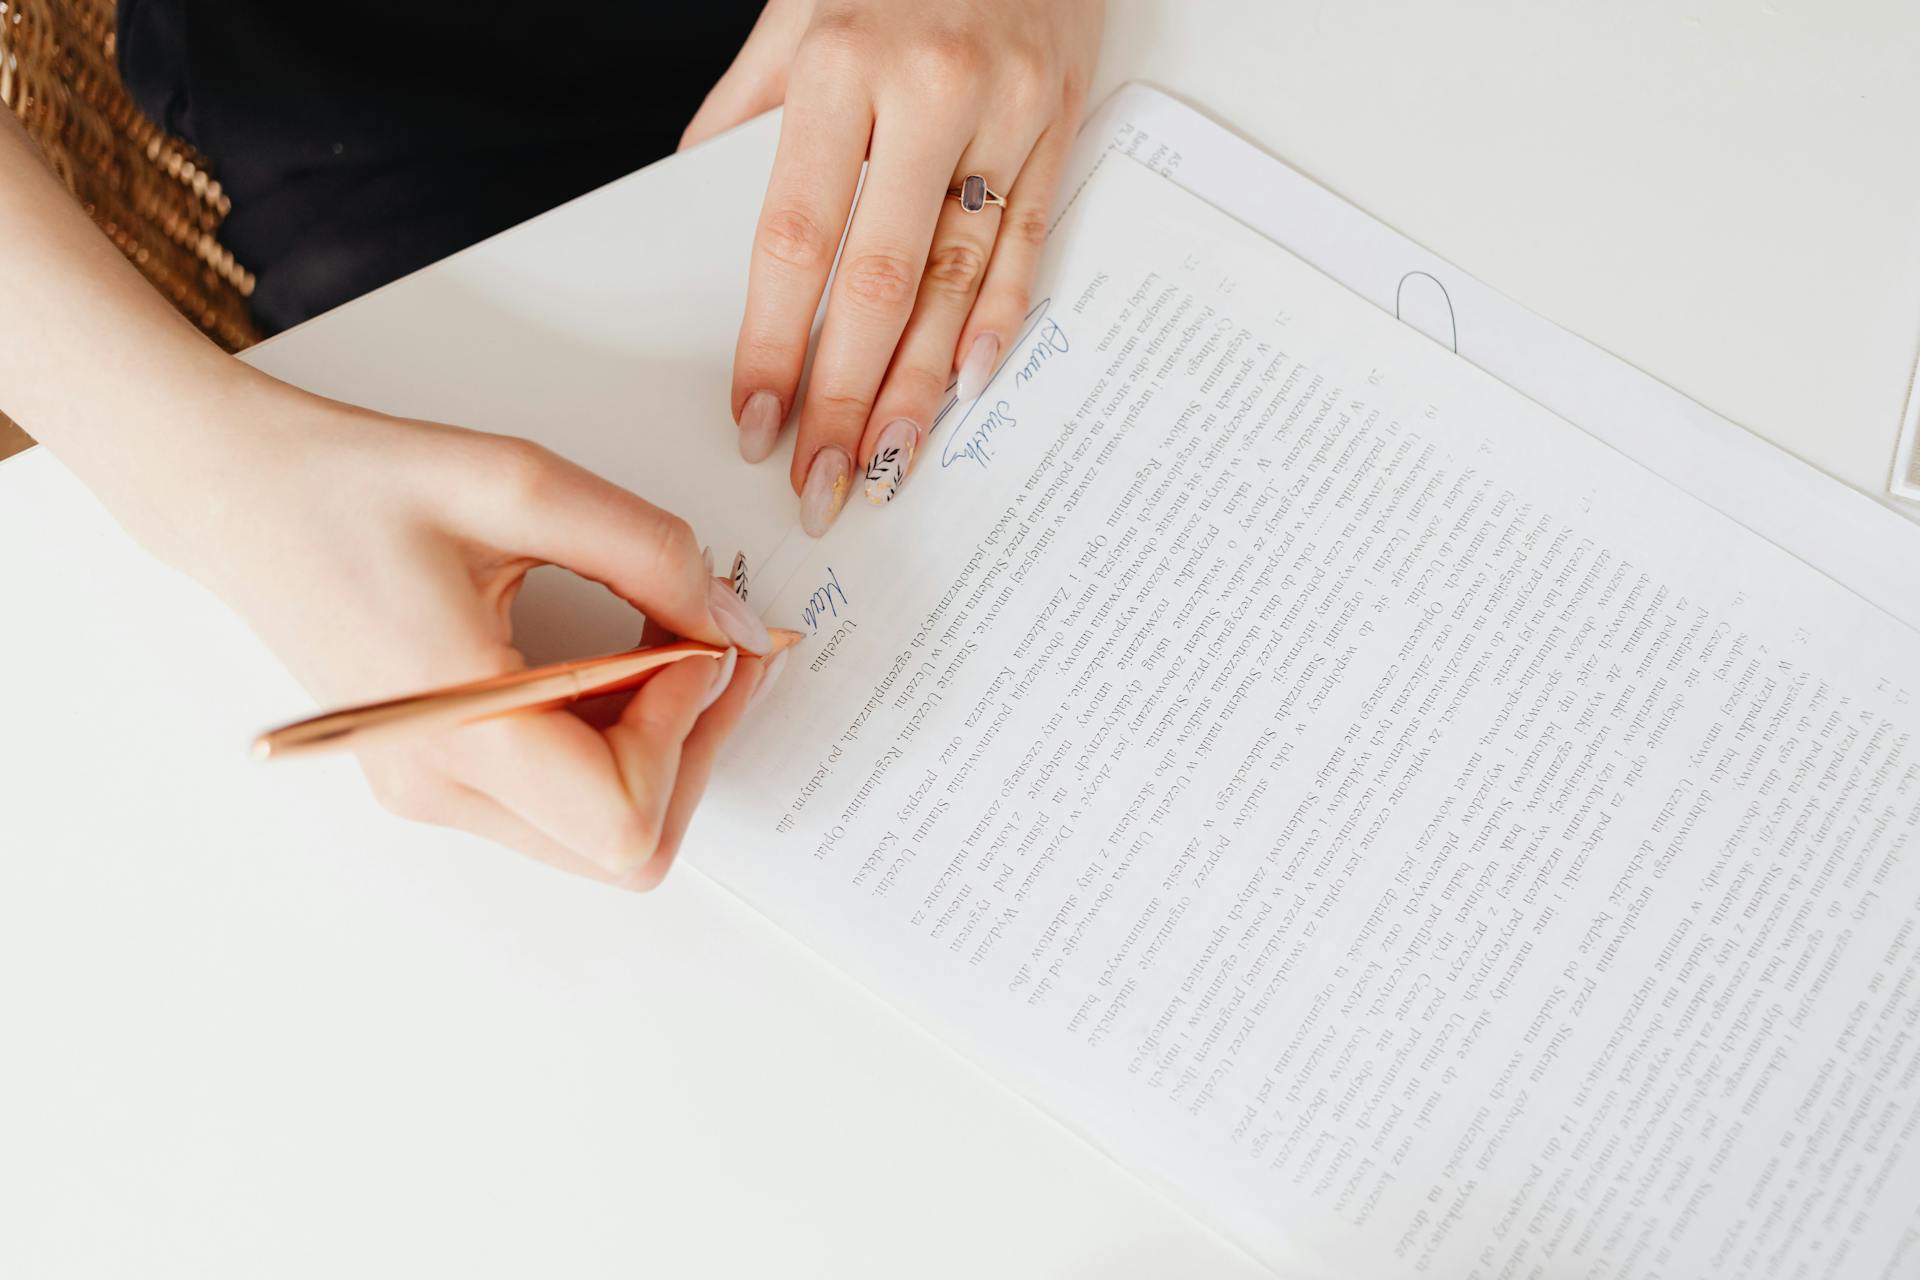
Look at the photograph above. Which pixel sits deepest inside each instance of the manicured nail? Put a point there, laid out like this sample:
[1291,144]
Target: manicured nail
[759,425]
[721,678]
[767,678]
[891,458]
[826,490]
[706,558]
[738,622]
[978,367]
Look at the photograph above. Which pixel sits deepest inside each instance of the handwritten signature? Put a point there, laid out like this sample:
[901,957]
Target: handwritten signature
[824,602]
[980,419]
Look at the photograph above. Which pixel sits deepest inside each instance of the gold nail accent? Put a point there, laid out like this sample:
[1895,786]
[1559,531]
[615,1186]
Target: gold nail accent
[828,480]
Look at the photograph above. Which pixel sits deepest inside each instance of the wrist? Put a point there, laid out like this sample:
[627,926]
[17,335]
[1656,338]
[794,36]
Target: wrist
[177,468]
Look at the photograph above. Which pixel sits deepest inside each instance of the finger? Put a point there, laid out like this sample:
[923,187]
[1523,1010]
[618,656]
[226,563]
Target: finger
[650,745]
[917,381]
[533,503]
[418,792]
[755,82]
[823,140]
[485,817]
[745,91]
[873,293]
[490,820]
[603,711]
[602,798]
[1001,309]
[751,680]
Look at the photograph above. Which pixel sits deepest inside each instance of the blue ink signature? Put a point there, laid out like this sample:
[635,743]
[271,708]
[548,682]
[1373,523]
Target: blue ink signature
[979,420]
[824,602]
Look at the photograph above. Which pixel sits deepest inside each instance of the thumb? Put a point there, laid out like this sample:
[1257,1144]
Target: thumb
[756,82]
[563,514]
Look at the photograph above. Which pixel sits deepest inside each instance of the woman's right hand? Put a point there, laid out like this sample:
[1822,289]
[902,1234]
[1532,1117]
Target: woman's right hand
[375,556]
[378,556]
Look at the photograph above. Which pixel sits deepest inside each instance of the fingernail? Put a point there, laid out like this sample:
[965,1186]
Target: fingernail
[706,558]
[767,678]
[891,458]
[826,490]
[721,678]
[978,367]
[738,622]
[759,425]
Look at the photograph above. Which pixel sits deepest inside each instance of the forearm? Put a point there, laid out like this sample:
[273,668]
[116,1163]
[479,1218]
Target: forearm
[93,362]
[373,554]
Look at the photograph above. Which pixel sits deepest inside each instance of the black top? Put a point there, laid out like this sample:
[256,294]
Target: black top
[360,140]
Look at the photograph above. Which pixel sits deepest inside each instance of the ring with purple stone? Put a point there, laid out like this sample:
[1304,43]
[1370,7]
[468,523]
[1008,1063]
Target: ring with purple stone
[974,194]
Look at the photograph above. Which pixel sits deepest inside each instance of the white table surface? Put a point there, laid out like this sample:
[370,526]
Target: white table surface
[248,1034]
[1725,193]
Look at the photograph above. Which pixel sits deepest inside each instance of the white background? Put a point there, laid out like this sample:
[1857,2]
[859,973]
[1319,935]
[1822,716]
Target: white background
[237,1041]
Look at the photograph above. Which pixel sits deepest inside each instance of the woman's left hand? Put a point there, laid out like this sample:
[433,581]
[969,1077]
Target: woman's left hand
[928,93]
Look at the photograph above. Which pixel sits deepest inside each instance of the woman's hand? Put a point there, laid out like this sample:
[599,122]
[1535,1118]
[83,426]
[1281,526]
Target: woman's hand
[928,93]
[375,556]
[378,556]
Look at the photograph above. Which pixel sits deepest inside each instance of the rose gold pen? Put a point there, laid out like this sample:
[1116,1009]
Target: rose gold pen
[535,689]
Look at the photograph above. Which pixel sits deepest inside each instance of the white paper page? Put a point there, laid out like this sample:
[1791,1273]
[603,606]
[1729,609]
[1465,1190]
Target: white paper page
[1393,822]
[1839,531]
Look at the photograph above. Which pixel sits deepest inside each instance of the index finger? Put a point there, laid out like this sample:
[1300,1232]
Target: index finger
[873,296]
[823,141]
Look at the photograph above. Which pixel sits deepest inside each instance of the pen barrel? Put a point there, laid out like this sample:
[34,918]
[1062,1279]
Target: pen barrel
[537,689]
[377,722]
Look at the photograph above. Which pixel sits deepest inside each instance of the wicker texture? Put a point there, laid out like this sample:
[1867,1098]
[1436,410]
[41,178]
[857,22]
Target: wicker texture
[150,193]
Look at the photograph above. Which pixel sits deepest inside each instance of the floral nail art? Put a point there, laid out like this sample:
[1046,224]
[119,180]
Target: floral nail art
[891,458]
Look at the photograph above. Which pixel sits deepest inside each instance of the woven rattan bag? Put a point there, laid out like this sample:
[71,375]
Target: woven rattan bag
[150,193]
